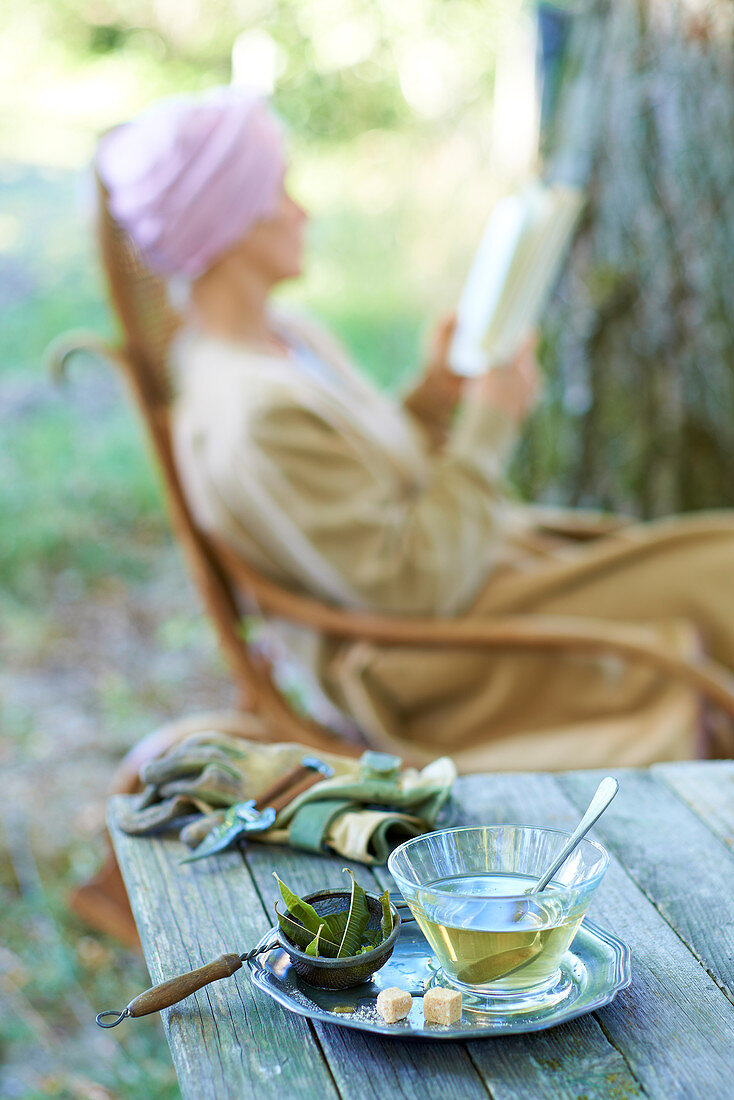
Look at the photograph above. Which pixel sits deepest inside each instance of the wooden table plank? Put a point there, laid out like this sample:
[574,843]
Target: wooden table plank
[673,1027]
[368,1067]
[225,1040]
[564,1063]
[682,867]
[708,788]
[379,1067]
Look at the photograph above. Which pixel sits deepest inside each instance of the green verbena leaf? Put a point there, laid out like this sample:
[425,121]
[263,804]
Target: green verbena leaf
[303,938]
[359,915]
[313,947]
[386,924]
[335,925]
[299,909]
[334,935]
[295,932]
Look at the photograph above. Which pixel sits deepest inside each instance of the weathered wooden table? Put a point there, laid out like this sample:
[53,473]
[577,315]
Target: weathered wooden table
[669,893]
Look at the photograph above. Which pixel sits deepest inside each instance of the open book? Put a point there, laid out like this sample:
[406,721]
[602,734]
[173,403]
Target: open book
[513,274]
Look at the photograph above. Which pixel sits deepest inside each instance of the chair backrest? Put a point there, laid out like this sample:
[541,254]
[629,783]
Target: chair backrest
[141,302]
[149,324]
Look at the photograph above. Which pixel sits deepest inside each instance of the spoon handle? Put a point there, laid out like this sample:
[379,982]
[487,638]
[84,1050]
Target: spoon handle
[605,792]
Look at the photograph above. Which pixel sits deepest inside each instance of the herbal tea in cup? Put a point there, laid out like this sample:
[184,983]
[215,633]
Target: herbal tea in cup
[468,890]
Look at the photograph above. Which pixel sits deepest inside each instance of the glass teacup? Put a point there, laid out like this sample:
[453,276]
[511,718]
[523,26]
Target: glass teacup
[468,890]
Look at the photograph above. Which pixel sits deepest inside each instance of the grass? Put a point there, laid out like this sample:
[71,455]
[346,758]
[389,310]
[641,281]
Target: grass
[53,975]
[71,497]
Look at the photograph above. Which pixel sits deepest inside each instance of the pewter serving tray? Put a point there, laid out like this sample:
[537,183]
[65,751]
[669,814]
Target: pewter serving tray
[597,966]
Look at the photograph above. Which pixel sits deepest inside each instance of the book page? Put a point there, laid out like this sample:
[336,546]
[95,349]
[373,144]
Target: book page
[513,274]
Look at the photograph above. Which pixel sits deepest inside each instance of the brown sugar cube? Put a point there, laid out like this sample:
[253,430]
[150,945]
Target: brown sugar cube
[442,1006]
[393,1004]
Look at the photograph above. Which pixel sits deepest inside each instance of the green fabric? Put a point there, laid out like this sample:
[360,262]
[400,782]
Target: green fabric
[424,801]
[391,831]
[310,824]
[379,765]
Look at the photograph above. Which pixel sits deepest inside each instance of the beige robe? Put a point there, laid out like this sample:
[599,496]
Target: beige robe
[335,489]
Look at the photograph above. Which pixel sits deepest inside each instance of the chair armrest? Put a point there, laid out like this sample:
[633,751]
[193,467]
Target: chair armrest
[544,632]
[77,342]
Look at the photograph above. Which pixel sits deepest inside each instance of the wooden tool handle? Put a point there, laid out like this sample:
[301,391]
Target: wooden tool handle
[175,989]
[295,782]
[310,779]
[295,775]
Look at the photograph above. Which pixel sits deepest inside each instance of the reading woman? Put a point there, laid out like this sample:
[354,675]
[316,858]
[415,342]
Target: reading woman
[302,468]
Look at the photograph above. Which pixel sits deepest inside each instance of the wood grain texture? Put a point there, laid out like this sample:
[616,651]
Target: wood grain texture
[682,867]
[378,1067]
[564,1063]
[708,788]
[367,1067]
[225,1040]
[673,1026]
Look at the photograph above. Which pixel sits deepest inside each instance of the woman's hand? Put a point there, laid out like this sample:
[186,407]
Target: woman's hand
[439,384]
[513,388]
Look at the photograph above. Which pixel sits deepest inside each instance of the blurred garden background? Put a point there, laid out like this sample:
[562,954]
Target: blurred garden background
[406,121]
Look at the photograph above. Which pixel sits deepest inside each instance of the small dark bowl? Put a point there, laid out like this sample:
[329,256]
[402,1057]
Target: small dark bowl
[353,970]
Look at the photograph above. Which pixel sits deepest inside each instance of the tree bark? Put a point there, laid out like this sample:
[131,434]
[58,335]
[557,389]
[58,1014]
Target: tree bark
[639,340]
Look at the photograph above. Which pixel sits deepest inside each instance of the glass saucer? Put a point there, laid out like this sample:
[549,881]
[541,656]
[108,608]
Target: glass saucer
[593,970]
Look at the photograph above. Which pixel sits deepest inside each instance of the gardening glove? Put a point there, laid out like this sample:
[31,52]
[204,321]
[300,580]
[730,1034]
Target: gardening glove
[210,771]
[362,811]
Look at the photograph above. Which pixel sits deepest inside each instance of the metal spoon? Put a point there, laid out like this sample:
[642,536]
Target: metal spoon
[605,792]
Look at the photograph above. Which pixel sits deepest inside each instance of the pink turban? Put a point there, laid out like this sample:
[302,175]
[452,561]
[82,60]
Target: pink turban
[189,177]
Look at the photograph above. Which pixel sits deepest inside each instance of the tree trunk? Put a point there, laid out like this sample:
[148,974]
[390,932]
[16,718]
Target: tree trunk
[639,340]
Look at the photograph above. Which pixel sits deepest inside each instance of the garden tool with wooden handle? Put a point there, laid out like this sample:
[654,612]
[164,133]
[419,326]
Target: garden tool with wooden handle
[258,815]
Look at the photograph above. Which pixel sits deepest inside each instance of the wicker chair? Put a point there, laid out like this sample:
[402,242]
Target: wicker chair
[148,323]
